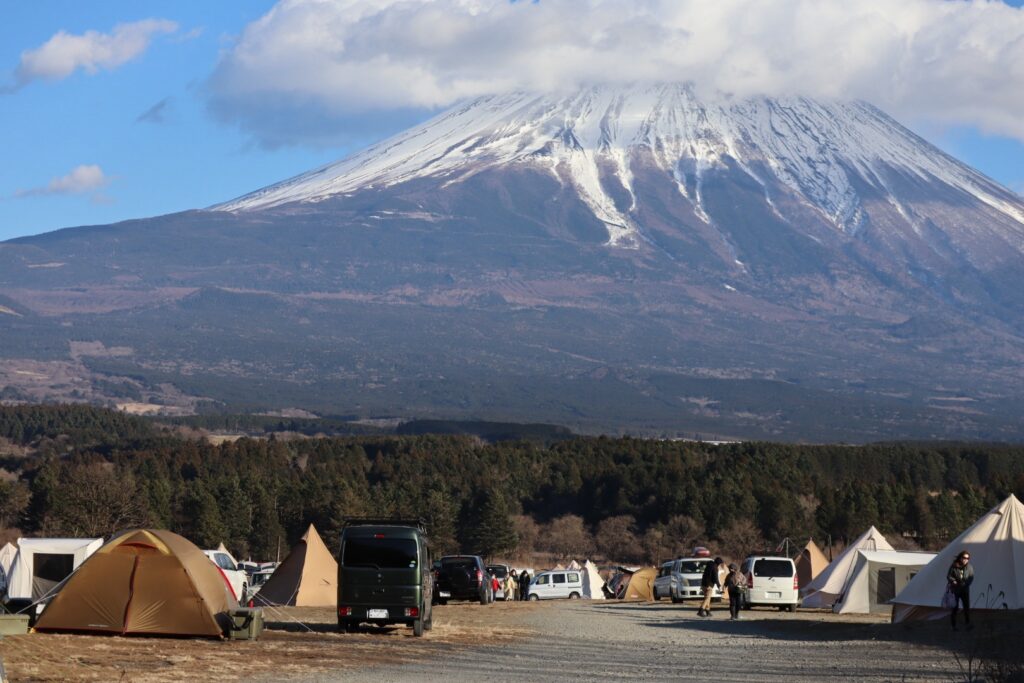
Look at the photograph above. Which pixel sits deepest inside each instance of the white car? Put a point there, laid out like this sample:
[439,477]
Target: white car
[771,581]
[680,579]
[237,578]
[557,584]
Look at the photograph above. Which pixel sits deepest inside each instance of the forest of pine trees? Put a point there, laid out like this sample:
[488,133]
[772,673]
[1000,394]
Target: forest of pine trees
[79,471]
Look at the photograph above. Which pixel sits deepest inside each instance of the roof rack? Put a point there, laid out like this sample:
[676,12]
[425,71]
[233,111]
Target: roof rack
[385,521]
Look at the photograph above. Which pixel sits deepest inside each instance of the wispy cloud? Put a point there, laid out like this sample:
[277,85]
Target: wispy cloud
[155,114]
[65,53]
[81,179]
[327,65]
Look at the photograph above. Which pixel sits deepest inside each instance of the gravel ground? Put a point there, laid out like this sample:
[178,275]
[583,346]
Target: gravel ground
[578,640]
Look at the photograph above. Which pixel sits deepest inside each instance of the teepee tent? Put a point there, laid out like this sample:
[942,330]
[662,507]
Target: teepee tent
[42,563]
[828,585]
[308,577]
[592,582]
[876,577]
[574,565]
[810,563]
[7,555]
[641,585]
[143,582]
[996,545]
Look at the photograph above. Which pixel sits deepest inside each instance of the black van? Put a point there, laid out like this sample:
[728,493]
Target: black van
[384,575]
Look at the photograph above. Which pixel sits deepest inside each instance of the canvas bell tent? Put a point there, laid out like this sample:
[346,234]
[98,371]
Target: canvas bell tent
[7,555]
[810,563]
[308,577]
[876,577]
[593,584]
[42,563]
[143,582]
[828,585]
[996,545]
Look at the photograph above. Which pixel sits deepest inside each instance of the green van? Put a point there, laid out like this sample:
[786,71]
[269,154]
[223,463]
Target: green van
[384,575]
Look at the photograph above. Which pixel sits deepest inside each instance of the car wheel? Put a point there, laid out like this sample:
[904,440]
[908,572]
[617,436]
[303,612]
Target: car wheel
[656,596]
[533,596]
[790,608]
[574,596]
[417,628]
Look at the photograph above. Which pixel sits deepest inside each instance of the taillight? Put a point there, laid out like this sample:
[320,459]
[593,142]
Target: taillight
[479,575]
[412,611]
[796,582]
[750,581]
[344,611]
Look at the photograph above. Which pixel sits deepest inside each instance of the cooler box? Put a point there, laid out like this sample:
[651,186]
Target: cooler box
[13,624]
[246,623]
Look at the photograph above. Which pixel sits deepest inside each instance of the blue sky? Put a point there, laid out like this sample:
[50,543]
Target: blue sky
[185,121]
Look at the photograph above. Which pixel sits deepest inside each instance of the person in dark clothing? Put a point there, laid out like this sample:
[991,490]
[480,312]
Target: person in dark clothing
[708,584]
[960,577]
[524,585]
[734,586]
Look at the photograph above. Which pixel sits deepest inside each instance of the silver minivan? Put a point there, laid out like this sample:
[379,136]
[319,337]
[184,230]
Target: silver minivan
[557,584]
[680,579]
[771,581]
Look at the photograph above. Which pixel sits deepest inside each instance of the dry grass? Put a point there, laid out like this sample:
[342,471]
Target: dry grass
[298,642]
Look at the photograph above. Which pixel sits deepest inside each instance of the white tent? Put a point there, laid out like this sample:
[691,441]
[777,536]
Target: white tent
[828,585]
[7,555]
[42,563]
[996,545]
[592,582]
[574,565]
[876,577]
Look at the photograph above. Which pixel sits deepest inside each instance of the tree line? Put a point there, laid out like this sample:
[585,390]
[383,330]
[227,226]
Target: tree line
[80,471]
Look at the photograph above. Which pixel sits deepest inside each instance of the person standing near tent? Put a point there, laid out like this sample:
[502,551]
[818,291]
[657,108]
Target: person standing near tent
[734,585]
[708,584]
[524,585]
[960,577]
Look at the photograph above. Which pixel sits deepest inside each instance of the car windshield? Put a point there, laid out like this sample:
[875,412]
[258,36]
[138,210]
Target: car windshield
[380,553]
[773,568]
[692,567]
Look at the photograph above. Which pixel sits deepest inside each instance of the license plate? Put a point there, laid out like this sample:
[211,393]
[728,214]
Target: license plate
[444,594]
[376,614]
[773,594]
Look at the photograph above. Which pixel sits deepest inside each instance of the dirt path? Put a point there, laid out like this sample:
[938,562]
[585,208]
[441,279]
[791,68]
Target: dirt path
[557,641]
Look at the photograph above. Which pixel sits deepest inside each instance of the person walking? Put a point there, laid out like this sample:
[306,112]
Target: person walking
[734,586]
[708,584]
[524,585]
[960,577]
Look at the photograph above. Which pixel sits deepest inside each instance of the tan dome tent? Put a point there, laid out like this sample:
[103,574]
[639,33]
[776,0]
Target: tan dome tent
[308,577]
[810,563]
[996,545]
[146,582]
[641,584]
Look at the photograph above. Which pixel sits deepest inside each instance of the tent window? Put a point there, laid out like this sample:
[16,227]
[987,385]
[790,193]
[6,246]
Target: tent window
[773,568]
[886,585]
[51,567]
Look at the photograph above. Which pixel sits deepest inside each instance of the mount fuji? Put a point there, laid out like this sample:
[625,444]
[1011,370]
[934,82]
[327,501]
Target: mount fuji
[618,259]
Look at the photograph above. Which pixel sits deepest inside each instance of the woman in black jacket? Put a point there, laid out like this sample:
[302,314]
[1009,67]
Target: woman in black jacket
[960,577]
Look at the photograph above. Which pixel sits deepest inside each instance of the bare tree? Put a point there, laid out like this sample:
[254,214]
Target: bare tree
[568,537]
[95,500]
[617,540]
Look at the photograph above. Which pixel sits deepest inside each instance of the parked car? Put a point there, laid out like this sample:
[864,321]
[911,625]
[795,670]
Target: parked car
[771,581]
[384,575]
[462,577]
[500,572]
[236,577]
[556,584]
[256,581]
[680,579]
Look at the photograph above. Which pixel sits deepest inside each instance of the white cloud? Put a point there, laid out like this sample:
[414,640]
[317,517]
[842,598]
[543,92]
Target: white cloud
[81,179]
[310,70]
[64,53]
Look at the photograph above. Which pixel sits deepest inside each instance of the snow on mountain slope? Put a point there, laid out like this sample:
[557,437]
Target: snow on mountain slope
[820,151]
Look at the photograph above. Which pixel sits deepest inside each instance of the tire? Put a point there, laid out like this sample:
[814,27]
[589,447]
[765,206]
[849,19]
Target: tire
[574,596]
[657,598]
[790,608]
[483,598]
[417,628]
[534,597]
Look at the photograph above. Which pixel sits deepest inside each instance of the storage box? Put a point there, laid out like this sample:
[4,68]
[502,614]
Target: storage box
[13,624]
[246,623]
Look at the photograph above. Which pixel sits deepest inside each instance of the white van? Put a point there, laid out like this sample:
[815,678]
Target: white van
[557,584]
[680,579]
[236,577]
[771,581]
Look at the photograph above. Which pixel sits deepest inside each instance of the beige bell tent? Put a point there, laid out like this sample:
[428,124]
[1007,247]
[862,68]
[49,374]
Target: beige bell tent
[42,563]
[828,585]
[876,577]
[574,565]
[996,545]
[308,577]
[145,582]
[810,563]
[641,584]
[593,584]
[7,555]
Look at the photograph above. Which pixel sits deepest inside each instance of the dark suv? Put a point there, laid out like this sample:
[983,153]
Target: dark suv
[384,575]
[462,577]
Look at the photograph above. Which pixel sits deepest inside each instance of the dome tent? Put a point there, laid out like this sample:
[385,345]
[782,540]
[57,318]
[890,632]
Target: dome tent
[143,582]
[823,590]
[996,545]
